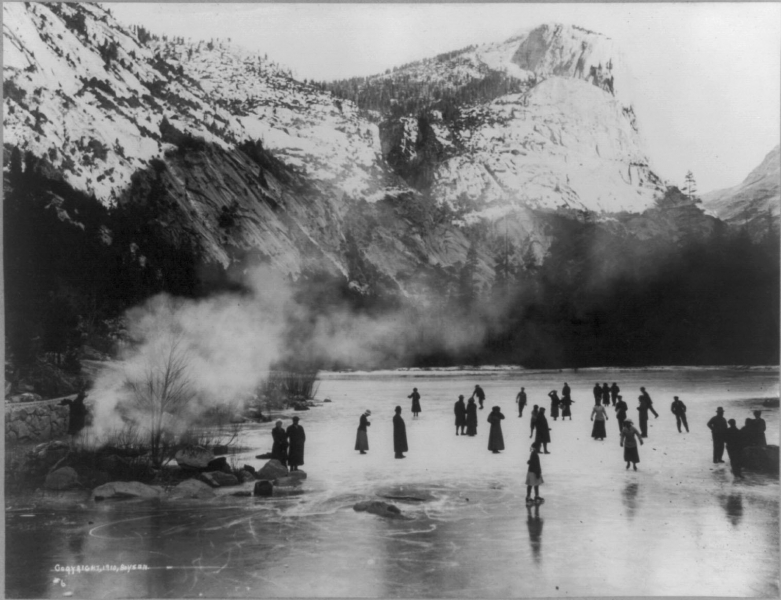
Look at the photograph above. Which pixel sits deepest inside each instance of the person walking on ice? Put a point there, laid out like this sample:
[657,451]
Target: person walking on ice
[362,439]
[460,411]
[534,475]
[599,416]
[480,395]
[399,435]
[521,401]
[718,427]
[415,403]
[629,438]
[495,438]
[678,408]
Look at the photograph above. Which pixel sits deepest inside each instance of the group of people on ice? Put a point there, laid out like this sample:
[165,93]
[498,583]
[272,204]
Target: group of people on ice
[725,433]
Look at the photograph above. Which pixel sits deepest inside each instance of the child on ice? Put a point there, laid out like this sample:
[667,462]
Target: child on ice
[534,476]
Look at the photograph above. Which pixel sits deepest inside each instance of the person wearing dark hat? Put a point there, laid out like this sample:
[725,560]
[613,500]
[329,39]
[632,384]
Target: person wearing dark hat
[614,390]
[647,399]
[415,403]
[555,402]
[621,409]
[296,438]
[543,430]
[77,417]
[362,439]
[629,438]
[734,439]
[471,417]
[718,426]
[460,411]
[534,474]
[480,395]
[597,393]
[495,438]
[759,427]
[678,408]
[279,447]
[520,399]
[399,434]
[605,394]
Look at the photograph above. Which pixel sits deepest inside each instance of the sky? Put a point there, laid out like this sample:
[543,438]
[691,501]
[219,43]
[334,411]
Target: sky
[707,76]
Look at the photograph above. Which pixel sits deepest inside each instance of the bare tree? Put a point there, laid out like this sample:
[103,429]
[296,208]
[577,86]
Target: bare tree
[163,387]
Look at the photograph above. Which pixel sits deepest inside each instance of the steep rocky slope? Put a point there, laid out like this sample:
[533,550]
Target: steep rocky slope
[754,203]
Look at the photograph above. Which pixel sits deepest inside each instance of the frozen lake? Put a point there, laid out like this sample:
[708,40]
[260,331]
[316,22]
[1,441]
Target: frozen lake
[678,526]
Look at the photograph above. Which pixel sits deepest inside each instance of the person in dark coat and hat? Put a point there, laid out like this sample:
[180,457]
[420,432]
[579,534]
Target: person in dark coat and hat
[614,390]
[415,403]
[597,393]
[295,439]
[480,395]
[555,401]
[471,417]
[520,399]
[279,447]
[605,394]
[566,403]
[534,474]
[759,426]
[718,426]
[535,413]
[399,434]
[460,411]
[362,438]
[734,439]
[543,431]
[77,415]
[621,409]
[678,408]
[495,438]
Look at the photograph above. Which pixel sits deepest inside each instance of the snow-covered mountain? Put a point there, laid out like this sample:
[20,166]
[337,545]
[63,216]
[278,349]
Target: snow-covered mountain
[754,201]
[249,158]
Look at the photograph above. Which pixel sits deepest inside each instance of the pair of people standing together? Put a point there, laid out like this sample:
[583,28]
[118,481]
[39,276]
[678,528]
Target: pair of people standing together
[466,417]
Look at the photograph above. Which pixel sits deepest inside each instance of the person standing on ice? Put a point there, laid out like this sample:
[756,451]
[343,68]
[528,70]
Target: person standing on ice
[597,393]
[555,401]
[460,411]
[566,392]
[647,398]
[678,408]
[629,438]
[415,403]
[759,426]
[566,404]
[643,409]
[296,438]
[605,394]
[534,475]
[362,439]
[471,417]
[599,416]
[279,447]
[734,439]
[399,434]
[718,426]
[521,400]
[621,409]
[480,395]
[535,412]
[614,389]
[543,430]
[495,438]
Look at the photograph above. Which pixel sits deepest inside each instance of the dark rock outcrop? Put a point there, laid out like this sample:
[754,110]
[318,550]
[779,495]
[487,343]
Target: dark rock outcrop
[375,507]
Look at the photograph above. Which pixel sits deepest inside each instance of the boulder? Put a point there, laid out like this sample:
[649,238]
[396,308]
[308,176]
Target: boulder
[219,479]
[50,452]
[264,456]
[263,488]
[195,457]
[246,476]
[287,482]
[242,493]
[219,464]
[249,468]
[120,490]
[771,402]
[30,397]
[21,430]
[761,459]
[375,507]
[297,474]
[300,406]
[62,479]
[192,489]
[327,400]
[220,449]
[272,470]
[117,466]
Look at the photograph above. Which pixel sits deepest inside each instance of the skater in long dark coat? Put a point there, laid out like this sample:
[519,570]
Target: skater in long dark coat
[399,434]
[614,390]
[566,391]
[599,416]
[597,393]
[495,438]
[543,431]
[534,474]
[520,399]
[535,413]
[295,439]
[460,411]
[678,408]
[555,401]
[605,394]
[362,438]
[642,410]
[647,398]
[279,448]
[734,439]
[621,409]
[629,438]
[415,403]
[759,426]
[480,395]
[471,417]
[717,426]
[566,404]
[77,414]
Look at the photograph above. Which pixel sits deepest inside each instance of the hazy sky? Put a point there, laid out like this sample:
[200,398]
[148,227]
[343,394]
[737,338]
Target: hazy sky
[707,75]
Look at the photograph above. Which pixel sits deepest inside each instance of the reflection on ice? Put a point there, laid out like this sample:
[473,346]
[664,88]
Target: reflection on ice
[534,523]
[630,498]
[733,506]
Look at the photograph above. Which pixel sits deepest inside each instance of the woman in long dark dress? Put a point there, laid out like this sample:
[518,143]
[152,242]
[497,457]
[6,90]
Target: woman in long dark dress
[362,439]
[629,438]
[535,412]
[471,417]
[460,411]
[399,434]
[415,402]
[554,404]
[295,439]
[534,475]
[566,403]
[495,438]
[605,394]
[599,416]
[279,448]
[621,408]
[543,431]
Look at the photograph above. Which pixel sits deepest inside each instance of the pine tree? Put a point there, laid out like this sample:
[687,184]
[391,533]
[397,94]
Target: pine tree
[691,186]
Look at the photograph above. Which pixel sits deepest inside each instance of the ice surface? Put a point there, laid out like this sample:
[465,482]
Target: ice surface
[678,526]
